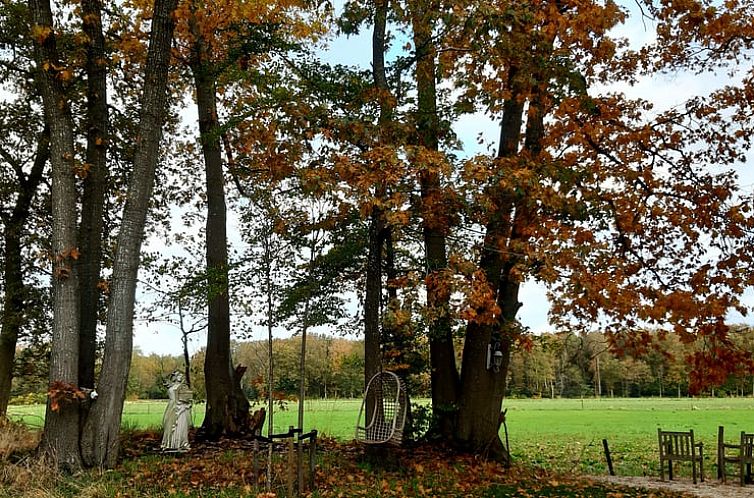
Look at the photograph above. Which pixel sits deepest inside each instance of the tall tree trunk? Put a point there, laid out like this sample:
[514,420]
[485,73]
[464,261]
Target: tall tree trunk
[95,185]
[372,298]
[61,433]
[482,390]
[373,290]
[444,375]
[15,289]
[268,261]
[227,407]
[100,443]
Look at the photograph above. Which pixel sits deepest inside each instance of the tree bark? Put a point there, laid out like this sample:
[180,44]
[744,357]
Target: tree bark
[95,185]
[100,443]
[373,288]
[483,390]
[444,375]
[372,298]
[227,407]
[15,288]
[61,433]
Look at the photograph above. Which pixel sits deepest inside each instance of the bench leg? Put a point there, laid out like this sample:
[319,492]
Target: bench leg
[693,469]
[701,464]
[741,472]
[670,470]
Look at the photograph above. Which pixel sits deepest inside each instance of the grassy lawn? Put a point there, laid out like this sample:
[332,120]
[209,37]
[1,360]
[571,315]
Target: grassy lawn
[567,435]
[563,434]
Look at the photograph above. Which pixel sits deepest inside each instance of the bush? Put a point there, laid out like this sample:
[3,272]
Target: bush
[421,422]
[29,399]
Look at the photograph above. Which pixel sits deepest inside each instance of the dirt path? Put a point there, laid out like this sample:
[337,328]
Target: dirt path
[706,489]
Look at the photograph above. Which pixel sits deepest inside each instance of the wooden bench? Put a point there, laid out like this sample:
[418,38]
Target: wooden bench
[742,457]
[680,447]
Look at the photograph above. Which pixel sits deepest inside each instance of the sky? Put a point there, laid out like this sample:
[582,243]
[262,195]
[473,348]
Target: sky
[665,91]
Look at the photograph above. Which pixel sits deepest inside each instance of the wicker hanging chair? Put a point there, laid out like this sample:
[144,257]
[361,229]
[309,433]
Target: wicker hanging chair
[383,412]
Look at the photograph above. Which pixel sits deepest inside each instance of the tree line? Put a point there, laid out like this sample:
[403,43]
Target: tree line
[552,365]
[302,186]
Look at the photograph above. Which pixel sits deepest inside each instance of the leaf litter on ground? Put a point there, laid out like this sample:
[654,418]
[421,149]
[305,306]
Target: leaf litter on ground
[351,470]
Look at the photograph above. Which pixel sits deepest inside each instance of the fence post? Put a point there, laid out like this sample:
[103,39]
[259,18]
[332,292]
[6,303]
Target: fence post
[608,457]
[255,462]
[312,459]
[300,463]
[291,461]
[720,452]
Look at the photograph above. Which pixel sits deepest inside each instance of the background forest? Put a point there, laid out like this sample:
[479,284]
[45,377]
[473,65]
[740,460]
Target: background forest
[552,365]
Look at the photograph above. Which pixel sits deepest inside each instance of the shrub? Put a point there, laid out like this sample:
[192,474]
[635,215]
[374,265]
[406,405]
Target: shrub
[29,399]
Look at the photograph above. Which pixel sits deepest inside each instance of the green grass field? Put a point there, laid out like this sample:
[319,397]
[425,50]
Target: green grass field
[560,434]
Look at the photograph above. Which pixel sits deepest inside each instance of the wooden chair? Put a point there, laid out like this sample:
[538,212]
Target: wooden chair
[742,457]
[680,447]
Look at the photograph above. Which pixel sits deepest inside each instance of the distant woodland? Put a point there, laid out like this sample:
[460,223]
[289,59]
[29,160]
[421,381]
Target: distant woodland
[551,365]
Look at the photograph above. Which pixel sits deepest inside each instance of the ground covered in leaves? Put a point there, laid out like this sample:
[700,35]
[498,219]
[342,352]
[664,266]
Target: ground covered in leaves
[228,468]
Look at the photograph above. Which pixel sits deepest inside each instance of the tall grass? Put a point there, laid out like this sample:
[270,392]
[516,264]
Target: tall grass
[20,468]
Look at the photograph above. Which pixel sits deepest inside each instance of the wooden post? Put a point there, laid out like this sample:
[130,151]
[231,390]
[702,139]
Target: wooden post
[300,464]
[312,459]
[721,453]
[608,457]
[291,462]
[255,462]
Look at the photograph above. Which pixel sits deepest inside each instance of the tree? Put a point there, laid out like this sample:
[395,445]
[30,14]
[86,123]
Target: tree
[16,291]
[95,178]
[584,194]
[434,214]
[95,442]
[61,434]
[181,299]
[594,200]
[101,430]
[227,407]
[24,153]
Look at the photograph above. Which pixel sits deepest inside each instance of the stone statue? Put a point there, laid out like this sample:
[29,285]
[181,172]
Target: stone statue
[177,418]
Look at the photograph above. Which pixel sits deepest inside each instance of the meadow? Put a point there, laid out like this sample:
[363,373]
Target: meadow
[563,435]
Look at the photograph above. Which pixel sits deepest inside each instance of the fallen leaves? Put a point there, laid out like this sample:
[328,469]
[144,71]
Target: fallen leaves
[347,470]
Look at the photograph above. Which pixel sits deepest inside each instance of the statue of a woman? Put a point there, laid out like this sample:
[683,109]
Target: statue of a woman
[177,418]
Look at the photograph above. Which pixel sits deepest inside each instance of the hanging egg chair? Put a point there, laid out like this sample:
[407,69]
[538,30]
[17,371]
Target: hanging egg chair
[383,411]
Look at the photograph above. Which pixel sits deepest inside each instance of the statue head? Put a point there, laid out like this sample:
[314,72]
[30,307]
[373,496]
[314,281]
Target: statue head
[176,377]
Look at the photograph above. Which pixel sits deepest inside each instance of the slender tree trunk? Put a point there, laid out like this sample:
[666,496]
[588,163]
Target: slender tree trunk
[373,290]
[227,407]
[372,297]
[184,342]
[15,289]
[302,366]
[444,374]
[60,439]
[95,185]
[100,443]
[268,259]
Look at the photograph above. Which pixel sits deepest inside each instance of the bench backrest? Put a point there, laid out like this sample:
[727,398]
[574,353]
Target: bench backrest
[676,445]
[747,447]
